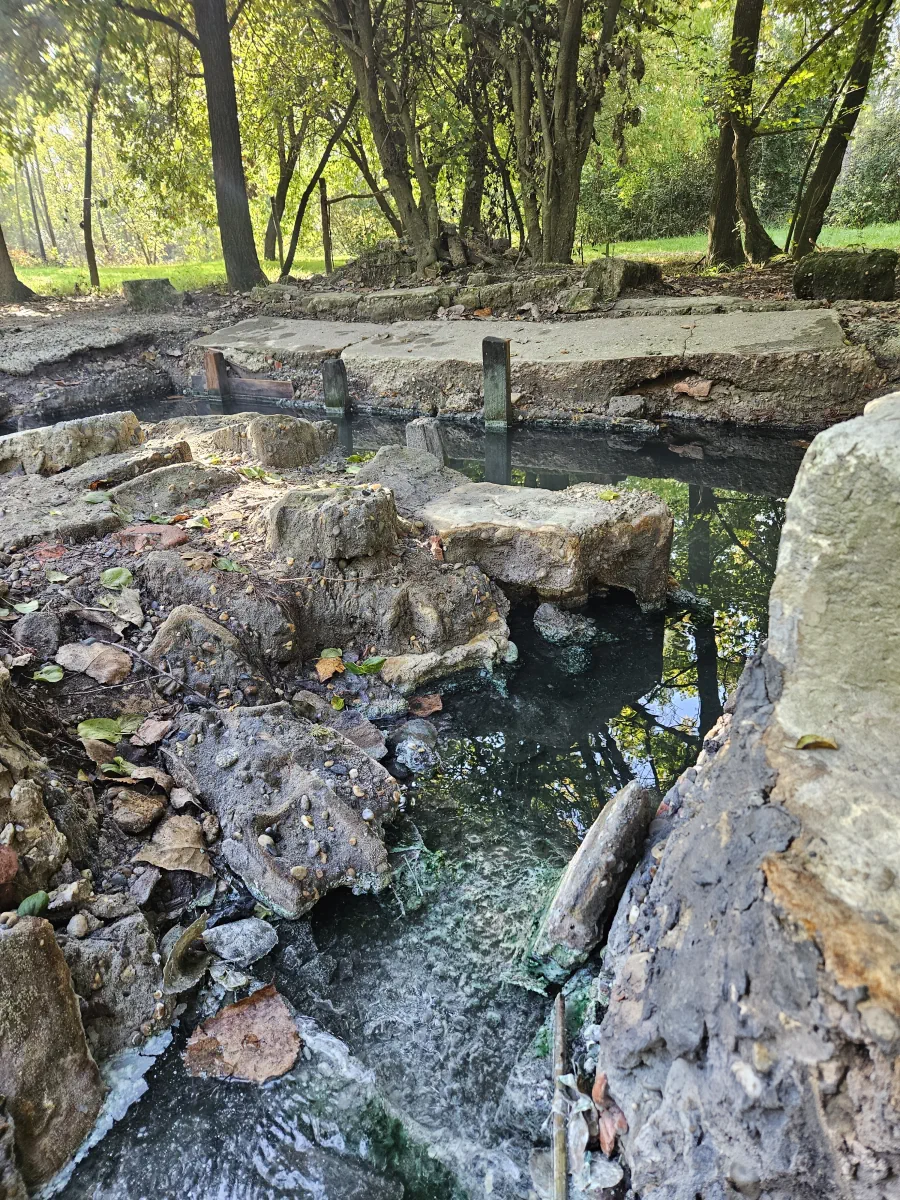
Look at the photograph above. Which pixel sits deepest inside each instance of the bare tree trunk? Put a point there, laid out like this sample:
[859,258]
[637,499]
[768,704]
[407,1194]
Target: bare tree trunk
[87,203]
[758,246]
[235,226]
[12,290]
[326,226]
[817,197]
[288,153]
[473,189]
[42,251]
[22,242]
[357,152]
[45,207]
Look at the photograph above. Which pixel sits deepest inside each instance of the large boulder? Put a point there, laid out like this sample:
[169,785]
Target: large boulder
[612,276]
[208,657]
[50,1081]
[170,490]
[151,295]
[301,807]
[282,441]
[754,1027]
[413,476]
[332,523]
[846,275]
[53,448]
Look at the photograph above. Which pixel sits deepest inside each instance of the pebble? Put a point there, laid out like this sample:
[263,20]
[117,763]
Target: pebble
[299,872]
[304,803]
[354,774]
[367,814]
[357,790]
[79,926]
[265,841]
[8,919]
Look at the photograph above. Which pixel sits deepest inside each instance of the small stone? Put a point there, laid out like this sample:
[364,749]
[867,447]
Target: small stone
[351,872]
[79,926]
[367,814]
[241,942]
[353,841]
[357,790]
[265,841]
[299,872]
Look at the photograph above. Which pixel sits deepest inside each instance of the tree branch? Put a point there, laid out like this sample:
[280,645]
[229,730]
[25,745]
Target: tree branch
[150,14]
[233,19]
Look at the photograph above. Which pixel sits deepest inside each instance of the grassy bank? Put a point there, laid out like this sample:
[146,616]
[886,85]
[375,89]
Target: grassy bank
[190,276]
[871,236]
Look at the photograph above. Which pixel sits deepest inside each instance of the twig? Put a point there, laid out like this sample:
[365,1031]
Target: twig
[560,1164]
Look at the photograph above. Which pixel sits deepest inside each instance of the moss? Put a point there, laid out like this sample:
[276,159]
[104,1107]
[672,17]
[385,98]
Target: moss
[394,1152]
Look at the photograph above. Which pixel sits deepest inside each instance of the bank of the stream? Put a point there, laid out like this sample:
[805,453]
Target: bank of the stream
[444,1094]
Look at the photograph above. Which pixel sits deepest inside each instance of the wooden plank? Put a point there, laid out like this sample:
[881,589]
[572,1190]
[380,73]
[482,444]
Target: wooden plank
[216,374]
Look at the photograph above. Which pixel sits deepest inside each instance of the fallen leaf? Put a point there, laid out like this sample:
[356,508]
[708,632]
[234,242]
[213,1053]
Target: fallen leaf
[139,774]
[699,389]
[100,729]
[116,578]
[98,750]
[326,667]
[126,605]
[608,494]
[27,606]
[369,666]
[151,731]
[106,664]
[45,552]
[54,576]
[116,766]
[198,522]
[483,312]
[228,564]
[251,1041]
[424,706]
[163,536]
[332,652]
[337,703]
[813,741]
[48,673]
[177,845]
[183,968]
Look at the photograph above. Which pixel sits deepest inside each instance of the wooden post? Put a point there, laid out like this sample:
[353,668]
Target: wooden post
[326,226]
[279,241]
[334,385]
[495,357]
[216,376]
[497,456]
[558,1127]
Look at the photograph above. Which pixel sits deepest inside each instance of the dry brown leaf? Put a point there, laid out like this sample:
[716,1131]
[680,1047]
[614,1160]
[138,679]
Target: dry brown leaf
[424,706]
[483,312]
[250,1042]
[177,845]
[153,730]
[106,664]
[97,751]
[698,388]
[139,774]
[326,667]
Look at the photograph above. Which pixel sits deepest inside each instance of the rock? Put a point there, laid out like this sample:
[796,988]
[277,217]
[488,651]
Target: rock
[12,1185]
[414,745]
[628,406]
[413,476]
[561,546]
[110,907]
[81,925]
[563,628]
[846,275]
[38,632]
[53,448]
[581,299]
[612,276]
[574,921]
[241,942]
[349,722]
[278,787]
[51,1083]
[40,846]
[424,433]
[332,523]
[764,920]
[151,295]
[134,812]
[115,973]
[207,656]
[171,490]
[106,664]
[285,441]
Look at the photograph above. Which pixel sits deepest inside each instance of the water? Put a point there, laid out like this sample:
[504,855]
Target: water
[424,984]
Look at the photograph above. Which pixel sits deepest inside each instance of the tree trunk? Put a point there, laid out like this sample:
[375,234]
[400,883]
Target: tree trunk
[87,203]
[12,290]
[357,153]
[39,176]
[42,251]
[758,246]
[235,226]
[326,226]
[724,245]
[22,242]
[473,189]
[817,197]
[287,164]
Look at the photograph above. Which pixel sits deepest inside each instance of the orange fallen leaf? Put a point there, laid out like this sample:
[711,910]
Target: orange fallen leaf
[326,667]
[250,1042]
[424,706]
[483,312]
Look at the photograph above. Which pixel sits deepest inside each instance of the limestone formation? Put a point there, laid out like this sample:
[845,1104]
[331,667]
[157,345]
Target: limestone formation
[50,1081]
[283,441]
[208,657]
[50,449]
[151,295]
[332,523]
[612,276]
[756,953]
[301,807]
[574,921]
[170,490]
[846,275]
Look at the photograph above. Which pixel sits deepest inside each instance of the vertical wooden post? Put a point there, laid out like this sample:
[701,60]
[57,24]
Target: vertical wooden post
[334,385]
[216,376]
[326,225]
[495,358]
[558,1126]
[497,456]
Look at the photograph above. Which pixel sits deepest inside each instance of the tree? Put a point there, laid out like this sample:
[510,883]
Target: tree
[12,290]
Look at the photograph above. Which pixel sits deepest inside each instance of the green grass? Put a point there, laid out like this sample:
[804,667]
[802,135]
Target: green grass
[681,247]
[190,276]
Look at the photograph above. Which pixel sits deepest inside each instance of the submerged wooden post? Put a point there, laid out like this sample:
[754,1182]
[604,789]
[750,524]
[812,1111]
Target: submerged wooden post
[497,456]
[326,226]
[334,384]
[495,358]
[558,1127]
[216,374]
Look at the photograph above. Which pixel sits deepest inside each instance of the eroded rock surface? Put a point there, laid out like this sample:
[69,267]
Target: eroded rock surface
[47,1074]
[332,523]
[756,968]
[268,774]
[286,441]
[47,451]
[208,657]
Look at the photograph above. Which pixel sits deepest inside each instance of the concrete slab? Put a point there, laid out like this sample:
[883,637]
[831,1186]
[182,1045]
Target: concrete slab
[296,343]
[47,340]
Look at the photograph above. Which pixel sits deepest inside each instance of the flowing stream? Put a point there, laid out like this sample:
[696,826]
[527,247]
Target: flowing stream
[424,984]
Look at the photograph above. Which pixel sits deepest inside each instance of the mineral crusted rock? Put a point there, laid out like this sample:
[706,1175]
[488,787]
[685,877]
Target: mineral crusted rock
[846,275]
[151,295]
[563,628]
[53,448]
[35,838]
[292,819]
[50,1081]
[592,882]
[424,433]
[350,723]
[284,441]
[170,490]
[134,812]
[12,1185]
[413,476]
[612,276]
[332,523]
[756,968]
[39,632]
[117,977]
[207,656]
[241,942]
